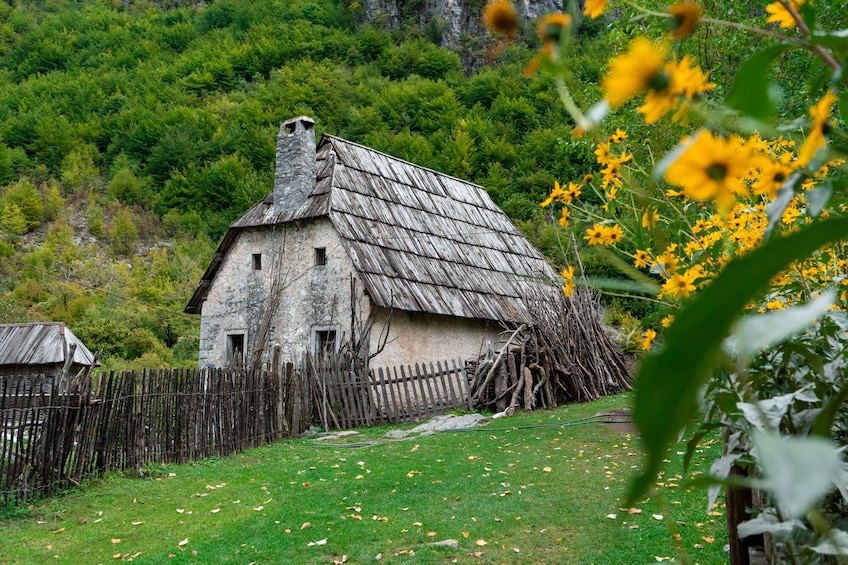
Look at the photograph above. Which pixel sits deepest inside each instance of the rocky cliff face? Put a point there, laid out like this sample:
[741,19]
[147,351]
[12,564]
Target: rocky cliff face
[452,20]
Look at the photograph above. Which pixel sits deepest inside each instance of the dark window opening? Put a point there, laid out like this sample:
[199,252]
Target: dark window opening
[257,261]
[325,341]
[235,350]
[320,256]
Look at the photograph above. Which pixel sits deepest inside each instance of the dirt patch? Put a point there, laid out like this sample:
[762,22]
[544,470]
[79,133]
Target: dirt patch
[620,419]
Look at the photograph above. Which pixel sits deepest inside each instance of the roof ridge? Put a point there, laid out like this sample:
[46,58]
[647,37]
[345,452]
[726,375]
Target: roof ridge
[393,158]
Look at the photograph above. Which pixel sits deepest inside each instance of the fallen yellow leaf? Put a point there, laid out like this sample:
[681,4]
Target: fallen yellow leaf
[547,469]
[481,542]
[305,525]
[116,540]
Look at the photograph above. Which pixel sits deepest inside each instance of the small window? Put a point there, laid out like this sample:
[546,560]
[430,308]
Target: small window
[235,350]
[257,261]
[320,256]
[324,341]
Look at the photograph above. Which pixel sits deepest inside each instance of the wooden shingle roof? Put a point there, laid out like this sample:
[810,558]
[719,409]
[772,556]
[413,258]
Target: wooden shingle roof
[420,240]
[40,343]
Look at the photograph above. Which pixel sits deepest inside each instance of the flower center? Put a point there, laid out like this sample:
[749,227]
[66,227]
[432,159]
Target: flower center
[717,171]
[659,81]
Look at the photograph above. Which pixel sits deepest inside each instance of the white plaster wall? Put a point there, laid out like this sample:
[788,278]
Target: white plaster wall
[416,337]
[312,295]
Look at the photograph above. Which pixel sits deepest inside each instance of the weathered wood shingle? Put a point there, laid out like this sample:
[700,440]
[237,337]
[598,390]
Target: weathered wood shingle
[44,343]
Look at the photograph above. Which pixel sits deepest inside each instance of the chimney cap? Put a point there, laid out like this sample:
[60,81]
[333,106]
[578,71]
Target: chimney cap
[291,124]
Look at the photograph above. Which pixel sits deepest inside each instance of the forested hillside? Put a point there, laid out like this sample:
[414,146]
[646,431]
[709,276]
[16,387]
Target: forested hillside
[133,132]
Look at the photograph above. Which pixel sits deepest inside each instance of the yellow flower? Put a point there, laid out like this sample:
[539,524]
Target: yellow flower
[572,192]
[602,153]
[689,80]
[775,304]
[679,286]
[780,15]
[594,8]
[641,259]
[790,215]
[650,218]
[556,193]
[596,235]
[634,71]
[619,136]
[666,263]
[682,81]
[710,168]
[499,16]
[551,27]
[815,139]
[684,17]
[563,218]
[613,234]
[568,281]
[650,335]
[773,173]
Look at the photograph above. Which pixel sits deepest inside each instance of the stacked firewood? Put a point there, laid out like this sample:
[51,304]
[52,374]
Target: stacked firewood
[563,356]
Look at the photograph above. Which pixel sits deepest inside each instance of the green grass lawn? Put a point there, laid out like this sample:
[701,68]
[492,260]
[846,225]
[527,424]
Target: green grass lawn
[520,490]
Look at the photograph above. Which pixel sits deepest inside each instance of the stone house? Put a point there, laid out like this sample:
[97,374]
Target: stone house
[41,348]
[412,264]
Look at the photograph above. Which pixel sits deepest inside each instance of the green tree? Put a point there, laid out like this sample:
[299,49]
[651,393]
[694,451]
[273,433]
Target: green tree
[54,203]
[79,170]
[12,221]
[125,186]
[28,201]
[123,234]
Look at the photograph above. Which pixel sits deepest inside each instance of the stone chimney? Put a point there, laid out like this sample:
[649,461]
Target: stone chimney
[294,176]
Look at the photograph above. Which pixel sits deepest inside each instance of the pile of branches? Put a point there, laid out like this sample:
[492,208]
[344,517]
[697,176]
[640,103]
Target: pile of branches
[563,356]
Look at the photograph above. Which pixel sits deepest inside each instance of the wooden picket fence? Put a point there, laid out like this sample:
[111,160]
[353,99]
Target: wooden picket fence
[127,421]
[132,420]
[348,399]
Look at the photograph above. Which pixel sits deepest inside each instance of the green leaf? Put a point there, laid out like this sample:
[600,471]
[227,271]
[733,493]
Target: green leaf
[835,40]
[750,93]
[667,382]
[824,421]
[758,331]
[767,522]
[606,283]
[843,106]
[798,471]
[834,542]
[818,198]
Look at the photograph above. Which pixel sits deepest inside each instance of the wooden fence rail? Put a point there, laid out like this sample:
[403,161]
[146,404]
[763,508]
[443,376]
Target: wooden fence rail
[346,399]
[127,421]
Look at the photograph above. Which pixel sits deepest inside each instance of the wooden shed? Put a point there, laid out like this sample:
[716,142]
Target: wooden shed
[40,348]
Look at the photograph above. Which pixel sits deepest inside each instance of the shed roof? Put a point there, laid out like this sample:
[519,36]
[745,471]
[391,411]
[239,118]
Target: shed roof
[40,343]
[421,241]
